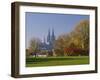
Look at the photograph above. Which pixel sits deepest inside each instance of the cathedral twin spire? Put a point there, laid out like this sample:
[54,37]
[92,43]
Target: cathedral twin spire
[49,43]
[50,37]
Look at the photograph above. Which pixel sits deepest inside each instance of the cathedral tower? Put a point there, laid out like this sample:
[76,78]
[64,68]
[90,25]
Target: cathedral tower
[52,36]
[48,37]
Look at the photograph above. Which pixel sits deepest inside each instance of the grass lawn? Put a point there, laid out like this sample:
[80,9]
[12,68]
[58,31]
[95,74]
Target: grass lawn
[56,61]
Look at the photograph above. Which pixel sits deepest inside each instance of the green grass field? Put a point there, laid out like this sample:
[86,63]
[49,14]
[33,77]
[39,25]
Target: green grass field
[56,61]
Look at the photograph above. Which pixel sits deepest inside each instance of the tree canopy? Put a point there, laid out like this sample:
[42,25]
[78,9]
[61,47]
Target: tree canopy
[76,39]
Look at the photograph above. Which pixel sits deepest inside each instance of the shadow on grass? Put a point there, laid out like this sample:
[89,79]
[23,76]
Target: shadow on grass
[47,59]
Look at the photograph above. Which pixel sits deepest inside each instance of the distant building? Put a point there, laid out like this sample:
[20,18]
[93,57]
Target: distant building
[48,43]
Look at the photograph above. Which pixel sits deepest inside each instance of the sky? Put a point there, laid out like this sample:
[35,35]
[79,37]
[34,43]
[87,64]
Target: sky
[38,24]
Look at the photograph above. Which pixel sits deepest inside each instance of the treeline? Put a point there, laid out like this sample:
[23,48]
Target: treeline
[74,43]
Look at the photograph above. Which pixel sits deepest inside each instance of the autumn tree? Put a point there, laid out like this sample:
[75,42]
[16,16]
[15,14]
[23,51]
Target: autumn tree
[78,38]
[82,34]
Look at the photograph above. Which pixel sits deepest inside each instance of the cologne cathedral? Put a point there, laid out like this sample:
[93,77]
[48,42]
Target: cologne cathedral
[48,43]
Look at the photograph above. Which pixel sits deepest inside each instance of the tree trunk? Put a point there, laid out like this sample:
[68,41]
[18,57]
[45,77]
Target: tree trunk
[82,45]
[53,51]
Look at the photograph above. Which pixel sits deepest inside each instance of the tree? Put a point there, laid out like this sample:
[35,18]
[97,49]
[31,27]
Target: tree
[27,53]
[77,39]
[82,33]
[34,46]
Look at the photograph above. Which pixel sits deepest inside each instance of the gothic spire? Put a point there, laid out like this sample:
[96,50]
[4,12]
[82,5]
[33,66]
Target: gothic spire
[53,35]
[48,36]
[44,40]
